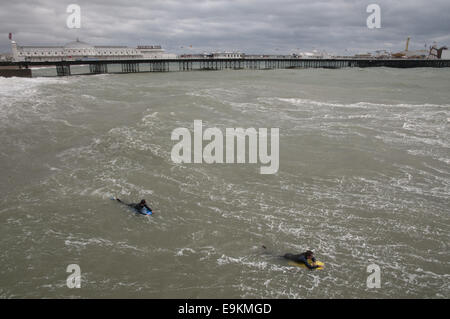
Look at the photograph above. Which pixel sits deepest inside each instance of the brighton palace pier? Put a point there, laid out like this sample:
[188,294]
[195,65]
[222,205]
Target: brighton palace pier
[77,58]
[79,51]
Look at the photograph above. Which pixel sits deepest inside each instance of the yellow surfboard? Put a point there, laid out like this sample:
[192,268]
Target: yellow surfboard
[318,263]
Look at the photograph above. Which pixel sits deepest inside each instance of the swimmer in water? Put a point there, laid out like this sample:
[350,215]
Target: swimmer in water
[137,206]
[307,258]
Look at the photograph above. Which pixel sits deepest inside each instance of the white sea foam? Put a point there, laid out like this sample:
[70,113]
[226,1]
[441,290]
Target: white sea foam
[299,101]
[184,251]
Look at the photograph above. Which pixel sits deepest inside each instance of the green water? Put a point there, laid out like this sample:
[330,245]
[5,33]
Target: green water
[364,178]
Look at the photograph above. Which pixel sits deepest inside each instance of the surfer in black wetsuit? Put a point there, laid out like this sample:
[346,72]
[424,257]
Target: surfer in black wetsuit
[306,258]
[137,206]
[303,258]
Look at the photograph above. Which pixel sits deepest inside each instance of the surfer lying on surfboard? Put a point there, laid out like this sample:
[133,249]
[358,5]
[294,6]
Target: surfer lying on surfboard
[140,207]
[307,258]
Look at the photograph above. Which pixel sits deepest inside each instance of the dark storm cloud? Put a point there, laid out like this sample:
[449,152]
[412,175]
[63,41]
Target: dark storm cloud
[269,26]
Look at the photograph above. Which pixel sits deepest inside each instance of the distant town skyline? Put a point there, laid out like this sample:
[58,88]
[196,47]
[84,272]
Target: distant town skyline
[249,26]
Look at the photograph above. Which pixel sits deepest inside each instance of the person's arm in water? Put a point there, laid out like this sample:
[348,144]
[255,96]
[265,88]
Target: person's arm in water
[131,205]
[148,207]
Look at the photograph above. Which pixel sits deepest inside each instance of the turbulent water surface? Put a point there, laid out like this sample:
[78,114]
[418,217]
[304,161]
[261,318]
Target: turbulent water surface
[364,178]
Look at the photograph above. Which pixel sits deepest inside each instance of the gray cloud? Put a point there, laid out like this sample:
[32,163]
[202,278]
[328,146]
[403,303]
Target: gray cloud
[266,26]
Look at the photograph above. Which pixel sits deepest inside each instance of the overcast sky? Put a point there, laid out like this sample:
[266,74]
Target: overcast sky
[250,26]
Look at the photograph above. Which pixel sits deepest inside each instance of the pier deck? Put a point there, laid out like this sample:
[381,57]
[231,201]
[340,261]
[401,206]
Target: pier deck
[63,68]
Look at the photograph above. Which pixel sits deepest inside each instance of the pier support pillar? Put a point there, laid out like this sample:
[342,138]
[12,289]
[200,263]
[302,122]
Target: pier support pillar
[98,68]
[130,67]
[63,70]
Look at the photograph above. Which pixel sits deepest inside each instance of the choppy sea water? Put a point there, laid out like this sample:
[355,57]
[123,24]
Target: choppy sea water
[364,178]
